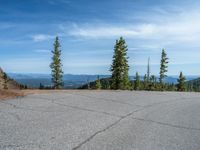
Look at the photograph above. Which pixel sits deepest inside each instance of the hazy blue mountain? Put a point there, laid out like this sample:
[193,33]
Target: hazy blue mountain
[173,79]
[70,80]
[28,76]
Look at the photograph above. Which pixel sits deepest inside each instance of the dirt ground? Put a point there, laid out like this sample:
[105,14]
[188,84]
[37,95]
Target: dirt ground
[6,94]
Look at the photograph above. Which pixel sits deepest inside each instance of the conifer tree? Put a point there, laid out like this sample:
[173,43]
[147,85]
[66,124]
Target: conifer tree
[163,68]
[98,83]
[56,66]
[41,86]
[107,84]
[181,86]
[6,80]
[137,82]
[119,67]
[153,81]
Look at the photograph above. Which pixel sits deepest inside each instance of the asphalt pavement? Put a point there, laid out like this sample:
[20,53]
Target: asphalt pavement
[101,120]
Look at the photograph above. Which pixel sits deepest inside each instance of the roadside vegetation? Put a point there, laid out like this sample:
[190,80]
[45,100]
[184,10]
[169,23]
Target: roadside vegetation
[119,79]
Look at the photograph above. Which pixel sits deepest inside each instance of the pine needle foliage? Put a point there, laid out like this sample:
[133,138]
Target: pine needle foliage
[181,86]
[98,83]
[119,67]
[56,66]
[163,68]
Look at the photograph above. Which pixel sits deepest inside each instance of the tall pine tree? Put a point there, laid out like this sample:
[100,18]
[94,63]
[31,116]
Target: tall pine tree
[163,68]
[181,86]
[119,67]
[56,66]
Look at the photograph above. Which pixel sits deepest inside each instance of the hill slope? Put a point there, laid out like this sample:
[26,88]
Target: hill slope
[7,83]
[194,85]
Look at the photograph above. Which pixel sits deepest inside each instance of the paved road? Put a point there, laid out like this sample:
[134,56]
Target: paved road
[101,120]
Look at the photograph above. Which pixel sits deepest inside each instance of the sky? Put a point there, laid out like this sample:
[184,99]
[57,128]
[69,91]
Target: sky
[88,29]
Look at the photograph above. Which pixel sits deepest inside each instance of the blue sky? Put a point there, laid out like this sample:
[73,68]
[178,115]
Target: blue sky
[88,30]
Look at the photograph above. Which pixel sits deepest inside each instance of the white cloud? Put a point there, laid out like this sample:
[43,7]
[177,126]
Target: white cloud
[108,31]
[42,37]
[183,30]
[183,27]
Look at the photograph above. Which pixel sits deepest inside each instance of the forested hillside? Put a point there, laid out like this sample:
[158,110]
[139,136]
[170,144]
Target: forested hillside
[7,83]
[193,85]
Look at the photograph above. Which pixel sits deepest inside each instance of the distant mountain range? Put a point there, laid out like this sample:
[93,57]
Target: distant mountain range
[71,81]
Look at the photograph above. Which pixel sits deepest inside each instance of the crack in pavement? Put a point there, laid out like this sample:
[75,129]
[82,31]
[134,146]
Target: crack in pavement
[114,101]
[119,120]
[26,108]
[109,126]
[166,124]
[29,109]
[90,110]
[79,108]
[18,145]
[60,104]
[76,107]
[103,130]
[105,99]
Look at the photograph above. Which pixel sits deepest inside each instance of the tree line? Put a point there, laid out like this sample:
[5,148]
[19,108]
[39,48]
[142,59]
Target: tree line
[119,69]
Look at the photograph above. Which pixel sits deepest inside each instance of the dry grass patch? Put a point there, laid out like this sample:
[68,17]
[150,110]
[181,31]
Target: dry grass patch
[4,94]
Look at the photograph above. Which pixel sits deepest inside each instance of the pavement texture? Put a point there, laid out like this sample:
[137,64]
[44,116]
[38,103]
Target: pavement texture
[101,120]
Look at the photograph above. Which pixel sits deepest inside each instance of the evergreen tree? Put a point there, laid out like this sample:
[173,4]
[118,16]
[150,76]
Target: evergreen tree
[163,68]
[153,80]
[98,83]
[41,86]
[137,82]
[181,86]
[6,80]
[56,66]
[171,87]
[107,84]
[119,67]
